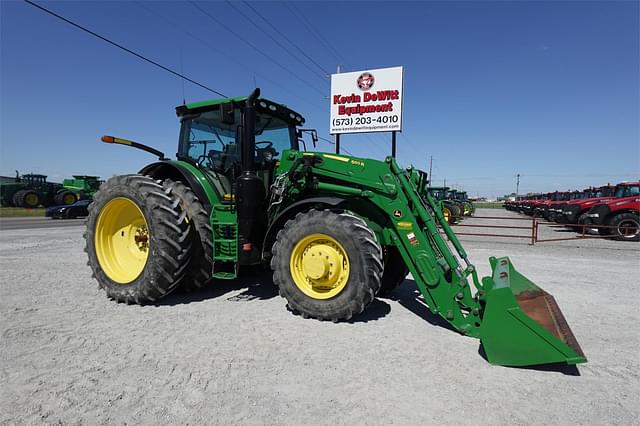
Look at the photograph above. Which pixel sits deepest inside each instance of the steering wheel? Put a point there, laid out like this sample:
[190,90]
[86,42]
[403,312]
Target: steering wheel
[266,154]
[268,144]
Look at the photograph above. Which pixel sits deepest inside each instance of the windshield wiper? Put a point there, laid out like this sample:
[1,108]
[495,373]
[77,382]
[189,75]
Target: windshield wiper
[259,132]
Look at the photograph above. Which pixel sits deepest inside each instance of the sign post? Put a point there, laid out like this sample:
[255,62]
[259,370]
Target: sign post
[367,101]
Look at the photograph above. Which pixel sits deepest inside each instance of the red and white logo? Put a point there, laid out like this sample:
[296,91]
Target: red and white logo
[365,81]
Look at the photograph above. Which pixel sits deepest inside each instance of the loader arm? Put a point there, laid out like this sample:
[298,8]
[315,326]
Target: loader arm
[506,311]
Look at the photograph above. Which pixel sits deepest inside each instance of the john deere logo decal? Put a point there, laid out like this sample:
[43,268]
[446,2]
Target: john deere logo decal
[365,81]
[397,213]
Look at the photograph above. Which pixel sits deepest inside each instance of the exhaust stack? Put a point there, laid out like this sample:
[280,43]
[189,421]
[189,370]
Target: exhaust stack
[250,188]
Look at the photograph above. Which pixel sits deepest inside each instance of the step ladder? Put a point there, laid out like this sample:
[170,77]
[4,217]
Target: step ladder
[225,249]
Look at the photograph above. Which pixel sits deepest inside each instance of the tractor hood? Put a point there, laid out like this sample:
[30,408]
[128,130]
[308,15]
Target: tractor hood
[367,174]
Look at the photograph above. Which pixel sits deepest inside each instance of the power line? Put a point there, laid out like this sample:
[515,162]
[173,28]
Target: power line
[119,46]
[254,47]
[178,28]
[315,32]
[333,143]
[276,41]
[324,72]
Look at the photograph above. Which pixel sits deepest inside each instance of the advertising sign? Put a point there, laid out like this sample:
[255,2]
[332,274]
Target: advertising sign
[366,101]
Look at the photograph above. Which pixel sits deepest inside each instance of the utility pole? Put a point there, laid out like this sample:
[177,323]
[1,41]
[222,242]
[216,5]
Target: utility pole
[517,185]
[445,182]
[430,164]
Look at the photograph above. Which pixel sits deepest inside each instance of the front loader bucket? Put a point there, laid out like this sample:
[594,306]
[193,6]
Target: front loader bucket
[522,324]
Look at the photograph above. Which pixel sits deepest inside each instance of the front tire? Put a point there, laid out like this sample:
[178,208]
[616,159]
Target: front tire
[327,265]
[627,227]
[65,198]
[137,239]
[446,212]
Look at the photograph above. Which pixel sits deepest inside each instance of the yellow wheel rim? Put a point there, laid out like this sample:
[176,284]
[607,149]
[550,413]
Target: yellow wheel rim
[31,200]
[319,266]
[69,199]
[447,214]
[122,240]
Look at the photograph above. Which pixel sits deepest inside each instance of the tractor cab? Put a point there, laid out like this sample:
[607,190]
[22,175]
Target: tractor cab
[213,137]
[439,192]
[34,179]
[627,189]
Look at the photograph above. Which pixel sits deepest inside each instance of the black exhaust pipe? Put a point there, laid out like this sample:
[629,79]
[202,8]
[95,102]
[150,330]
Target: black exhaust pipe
[249,136]
[250,188]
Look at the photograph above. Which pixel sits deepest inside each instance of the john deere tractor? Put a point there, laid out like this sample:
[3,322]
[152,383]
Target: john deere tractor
[461,196]
[453,210]
[32,190]
[82,186]
[335,230]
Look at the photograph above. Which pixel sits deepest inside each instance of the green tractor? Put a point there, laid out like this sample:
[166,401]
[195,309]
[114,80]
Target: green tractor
[452,210]
[32,190]
[82,185]
[335,230]
[461,197]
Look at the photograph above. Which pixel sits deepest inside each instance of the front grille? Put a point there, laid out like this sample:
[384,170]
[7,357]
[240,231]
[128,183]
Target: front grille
[601,210]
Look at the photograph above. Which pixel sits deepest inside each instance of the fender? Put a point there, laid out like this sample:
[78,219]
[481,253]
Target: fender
[176,170]
[291,211]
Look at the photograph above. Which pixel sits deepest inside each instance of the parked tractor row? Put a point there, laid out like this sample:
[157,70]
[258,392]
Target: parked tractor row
[455,204]
[32,190]
[610,210]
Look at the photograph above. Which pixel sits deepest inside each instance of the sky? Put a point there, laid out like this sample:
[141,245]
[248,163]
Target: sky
[547,90]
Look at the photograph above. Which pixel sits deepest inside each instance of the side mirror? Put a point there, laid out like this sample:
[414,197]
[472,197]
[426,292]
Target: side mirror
[312,132]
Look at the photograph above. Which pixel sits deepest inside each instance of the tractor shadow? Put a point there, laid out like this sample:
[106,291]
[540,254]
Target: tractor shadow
[567,370]
[256,285]
[376,310]
[409,297]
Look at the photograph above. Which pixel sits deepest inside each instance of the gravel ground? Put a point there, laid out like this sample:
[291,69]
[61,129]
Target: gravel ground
[232,354]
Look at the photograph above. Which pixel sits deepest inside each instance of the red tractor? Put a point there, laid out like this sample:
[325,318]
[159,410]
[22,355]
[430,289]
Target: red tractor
[575,211]
[545,208]
[528,203]
[622,213]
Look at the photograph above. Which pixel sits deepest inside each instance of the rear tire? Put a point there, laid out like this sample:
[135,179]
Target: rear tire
[201,263]
[27,198]
[137,239]
[395,271]
[335,288]
[627,227]
[456,212]
[16,197]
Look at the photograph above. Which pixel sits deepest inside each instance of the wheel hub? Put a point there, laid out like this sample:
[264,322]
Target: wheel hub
[31,199]
[319,266]
[122,240]
[628,228]
[69,199]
